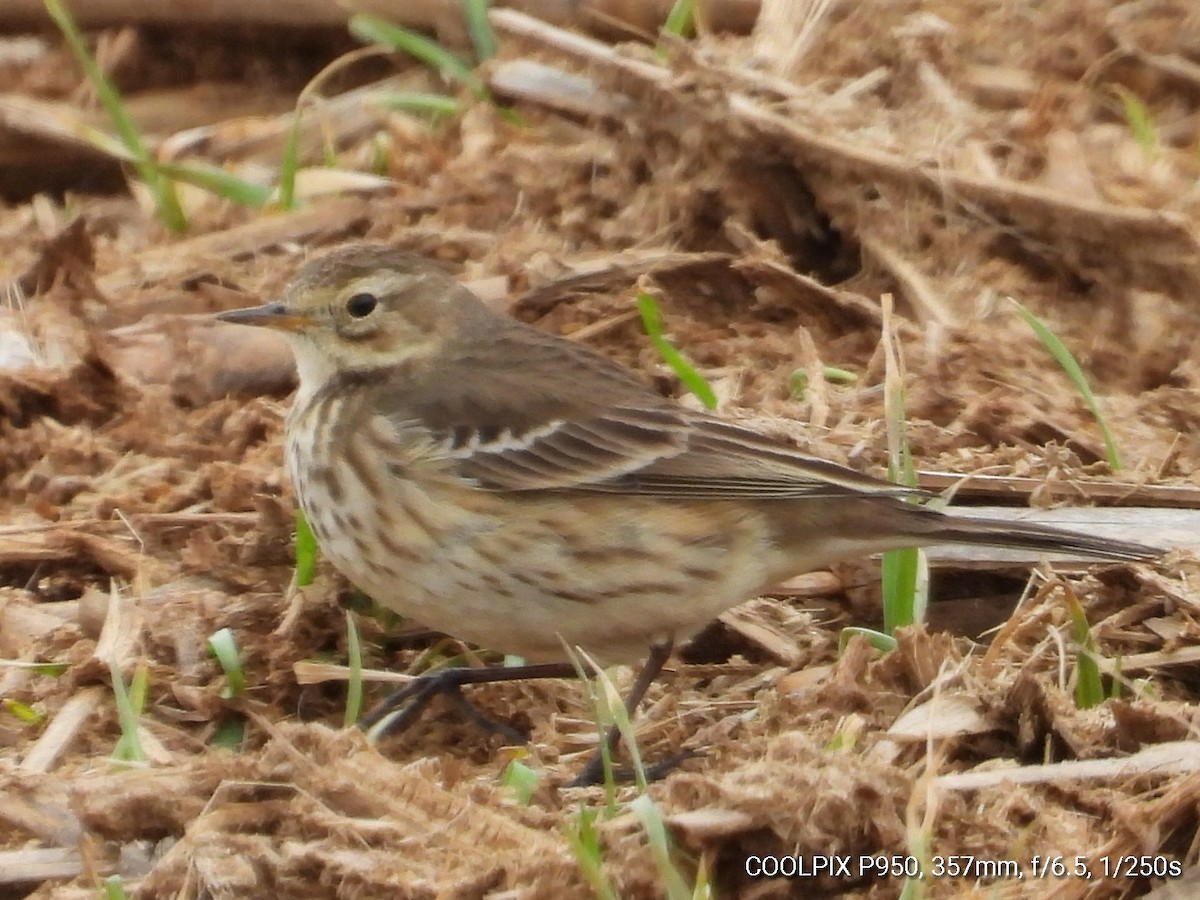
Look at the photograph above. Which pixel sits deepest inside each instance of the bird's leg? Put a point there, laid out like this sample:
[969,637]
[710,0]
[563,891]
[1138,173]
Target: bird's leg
[593,771]
[513,736]
[401,708]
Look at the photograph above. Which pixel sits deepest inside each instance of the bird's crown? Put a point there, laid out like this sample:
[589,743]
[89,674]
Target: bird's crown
[355,293]
[367,306]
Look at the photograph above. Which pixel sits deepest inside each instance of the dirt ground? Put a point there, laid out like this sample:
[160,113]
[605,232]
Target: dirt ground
[771,189]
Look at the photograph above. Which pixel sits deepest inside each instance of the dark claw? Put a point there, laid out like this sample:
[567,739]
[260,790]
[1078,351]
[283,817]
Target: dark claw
[412,699]
[511,734]
[593,773]
[401,708]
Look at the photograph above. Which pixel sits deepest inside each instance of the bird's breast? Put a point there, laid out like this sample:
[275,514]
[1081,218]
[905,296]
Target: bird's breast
[367,486]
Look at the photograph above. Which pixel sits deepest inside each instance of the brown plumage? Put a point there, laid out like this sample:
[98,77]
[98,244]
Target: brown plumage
[517,490]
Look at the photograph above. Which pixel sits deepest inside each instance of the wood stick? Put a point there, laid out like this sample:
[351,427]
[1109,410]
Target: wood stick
[1122,493]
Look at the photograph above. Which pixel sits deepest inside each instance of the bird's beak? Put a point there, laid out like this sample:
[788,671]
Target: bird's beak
[269,315]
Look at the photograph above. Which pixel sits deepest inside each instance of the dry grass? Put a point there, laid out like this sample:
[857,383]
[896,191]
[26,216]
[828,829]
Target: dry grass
[949,153]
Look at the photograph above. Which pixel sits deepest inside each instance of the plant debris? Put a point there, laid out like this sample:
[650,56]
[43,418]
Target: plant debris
[769,192]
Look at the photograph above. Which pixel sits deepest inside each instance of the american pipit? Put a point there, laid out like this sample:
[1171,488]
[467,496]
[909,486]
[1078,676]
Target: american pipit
[522,492]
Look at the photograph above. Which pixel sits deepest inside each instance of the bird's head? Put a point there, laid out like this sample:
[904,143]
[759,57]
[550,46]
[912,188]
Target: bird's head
[365,307]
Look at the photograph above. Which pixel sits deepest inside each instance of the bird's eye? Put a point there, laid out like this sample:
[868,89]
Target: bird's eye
[361,305]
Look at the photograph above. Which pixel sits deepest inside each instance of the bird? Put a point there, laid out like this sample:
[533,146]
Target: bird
[525,493]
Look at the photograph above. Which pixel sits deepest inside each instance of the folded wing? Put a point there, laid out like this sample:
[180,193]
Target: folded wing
[588,425]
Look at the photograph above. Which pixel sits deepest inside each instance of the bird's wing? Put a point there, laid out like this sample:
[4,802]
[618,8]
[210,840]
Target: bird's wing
[588,425]
[725,460]
[600,452]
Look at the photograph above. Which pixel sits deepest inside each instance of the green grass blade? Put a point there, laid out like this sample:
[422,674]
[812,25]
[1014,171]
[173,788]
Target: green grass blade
[23,712]
[223,646]
[230,735]
[522,780]
[877,639]
[603,719]
[651,818]
[53,669]
[920,846]
[129,746]
[798,381]
[436,106]
[1118,679]
[681,20]
[373,29]
[905,590]
[306,551]
[847,735]
[585,847]
[610,710]
[381,146]
[219,182]
[289,165]
[165,199]
[1065,359]
[900,572]
[139,688]
[209,178]
[901,469]
[692,380]
[617,714]
[1089,686]
[834,375]
[703,889]
[483,39]
[1139,120]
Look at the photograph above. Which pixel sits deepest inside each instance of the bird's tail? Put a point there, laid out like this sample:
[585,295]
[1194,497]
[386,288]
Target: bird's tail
[948,528]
